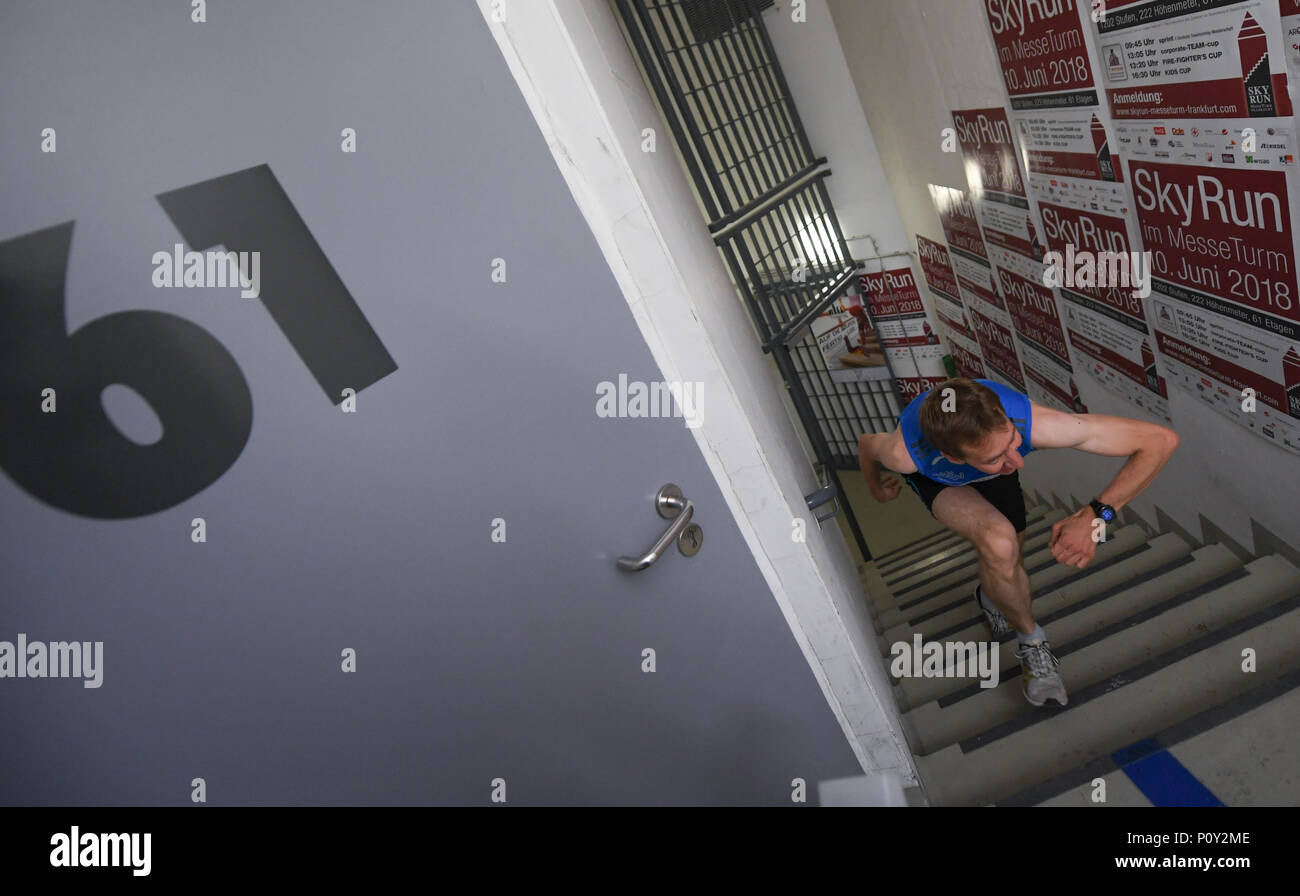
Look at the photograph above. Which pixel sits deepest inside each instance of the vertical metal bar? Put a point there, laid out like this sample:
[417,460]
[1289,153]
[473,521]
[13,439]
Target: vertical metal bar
[666,90]
[839,414]
[773,88]
[761,294]
[735,198]
[729,42]
[725,82]
[761,32]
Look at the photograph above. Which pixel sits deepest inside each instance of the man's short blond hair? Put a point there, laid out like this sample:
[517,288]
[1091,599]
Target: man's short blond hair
[974,412]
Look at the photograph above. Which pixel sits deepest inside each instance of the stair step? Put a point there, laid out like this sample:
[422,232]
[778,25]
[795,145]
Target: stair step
[917,550]
[962,566]
[954,612]
[1118,712]
[909,552]
[1072,589]
[1126,610]
[898,556]
[912,604]
[1243,752]
[962,557]
[938,552]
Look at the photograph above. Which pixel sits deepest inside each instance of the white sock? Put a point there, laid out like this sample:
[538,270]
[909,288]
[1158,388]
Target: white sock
[1033,637]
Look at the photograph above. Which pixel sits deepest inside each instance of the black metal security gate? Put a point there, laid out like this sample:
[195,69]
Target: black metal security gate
[715,76]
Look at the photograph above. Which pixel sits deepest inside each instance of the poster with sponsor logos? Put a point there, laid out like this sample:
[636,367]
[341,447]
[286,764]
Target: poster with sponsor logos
[1193,59]
[1100,275]
[907,335]
[977,286]
[1224,296]
[1202,107]
[850,344]
[1290,21]
[1103,283]
[990,150]
[1044,353]
[1076,184]
[1085,212]
[936,268]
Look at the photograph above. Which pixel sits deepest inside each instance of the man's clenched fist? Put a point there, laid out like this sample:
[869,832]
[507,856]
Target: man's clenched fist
[889,489]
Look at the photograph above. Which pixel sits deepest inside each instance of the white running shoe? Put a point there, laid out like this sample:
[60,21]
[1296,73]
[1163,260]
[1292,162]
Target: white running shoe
[997,622]
[1042,681]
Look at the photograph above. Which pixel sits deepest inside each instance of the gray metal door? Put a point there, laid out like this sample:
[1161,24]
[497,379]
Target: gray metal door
[455,523]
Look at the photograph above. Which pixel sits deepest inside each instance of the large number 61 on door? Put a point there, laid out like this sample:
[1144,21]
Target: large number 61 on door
[75,458]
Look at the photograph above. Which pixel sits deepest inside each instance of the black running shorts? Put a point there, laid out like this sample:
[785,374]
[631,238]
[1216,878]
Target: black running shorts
[1003,492]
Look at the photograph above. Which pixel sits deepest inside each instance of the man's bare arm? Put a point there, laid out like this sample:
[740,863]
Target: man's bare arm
[1147,445]
[877,453]
[868,459]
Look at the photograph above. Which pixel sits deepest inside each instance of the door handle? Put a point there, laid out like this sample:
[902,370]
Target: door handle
[825,495]
[671,505]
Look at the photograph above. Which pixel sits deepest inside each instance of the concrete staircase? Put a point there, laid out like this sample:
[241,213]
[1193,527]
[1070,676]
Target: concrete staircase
[1153,637]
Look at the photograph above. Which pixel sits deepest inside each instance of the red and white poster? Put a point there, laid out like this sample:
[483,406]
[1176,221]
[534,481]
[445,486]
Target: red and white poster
[1193,59]
[1088,224]
[993,170]
[936,268]
[1075,183]
[908,337]
[969,255]
[997,187]
[1226,307]
[1068,144]
[1042,53]
[1044,353]
[1105,311]
[966,357]
[997,344]
[977,286]
[1201,97]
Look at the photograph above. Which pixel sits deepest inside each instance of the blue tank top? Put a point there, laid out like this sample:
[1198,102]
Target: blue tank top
[933,465]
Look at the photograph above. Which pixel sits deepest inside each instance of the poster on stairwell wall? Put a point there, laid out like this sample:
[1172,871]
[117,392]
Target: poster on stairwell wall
[1224,289]
[849,342]
[936,268]
[1102,301]
[977,286]
[1043,54]
[1076,183]
[1101,276]
[993,170]
[907,335]
[997,188]
[1193,59]
[1202,105]
[1032,307]
[1290,22]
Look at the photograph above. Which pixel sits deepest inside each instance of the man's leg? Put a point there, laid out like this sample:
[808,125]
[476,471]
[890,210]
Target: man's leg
[1004,580]
[997,545]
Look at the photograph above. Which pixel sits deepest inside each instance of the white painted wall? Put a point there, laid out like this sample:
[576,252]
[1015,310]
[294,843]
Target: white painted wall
[582,85]
[914,61]
[822,88]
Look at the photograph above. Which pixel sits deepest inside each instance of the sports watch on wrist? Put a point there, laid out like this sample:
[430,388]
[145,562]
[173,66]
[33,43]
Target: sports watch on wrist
[1104,511]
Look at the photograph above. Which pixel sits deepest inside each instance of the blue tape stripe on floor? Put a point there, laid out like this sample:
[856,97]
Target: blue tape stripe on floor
[1162,779]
